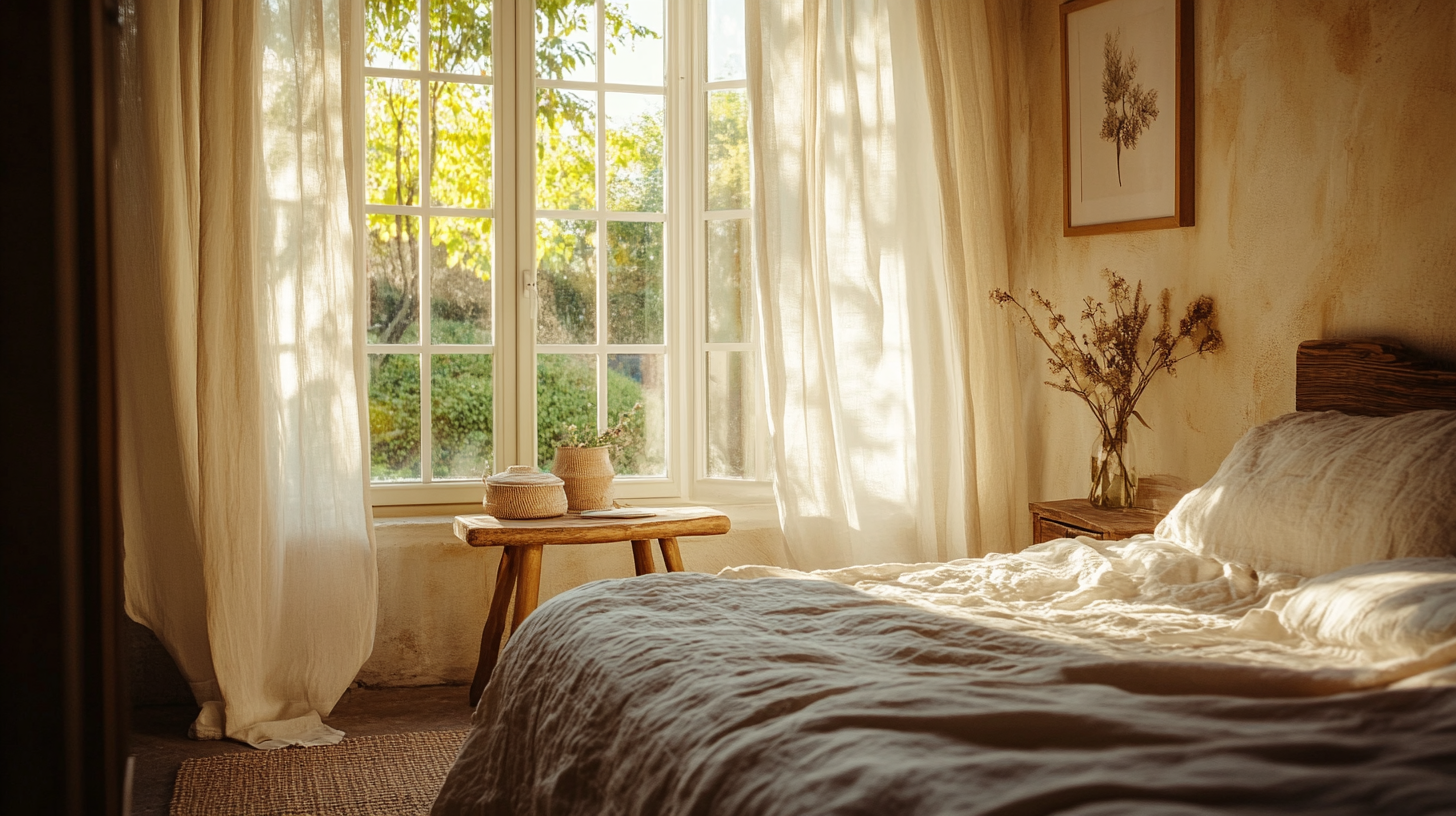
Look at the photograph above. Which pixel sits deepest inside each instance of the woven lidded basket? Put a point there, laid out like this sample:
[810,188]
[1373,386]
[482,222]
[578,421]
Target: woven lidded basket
[523,492]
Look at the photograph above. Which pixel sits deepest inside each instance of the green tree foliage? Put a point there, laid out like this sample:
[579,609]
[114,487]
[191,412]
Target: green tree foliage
[459,118]
[728,181]
[461,415]
[624,392]
[394,417]
[566,394]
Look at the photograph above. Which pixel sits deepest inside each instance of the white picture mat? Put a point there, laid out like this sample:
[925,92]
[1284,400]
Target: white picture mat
[1147,31]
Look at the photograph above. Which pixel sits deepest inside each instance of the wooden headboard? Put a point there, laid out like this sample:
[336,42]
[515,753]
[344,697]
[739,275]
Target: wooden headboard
[1370,378]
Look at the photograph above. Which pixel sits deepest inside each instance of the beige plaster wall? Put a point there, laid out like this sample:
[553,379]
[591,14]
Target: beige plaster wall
[1325,207]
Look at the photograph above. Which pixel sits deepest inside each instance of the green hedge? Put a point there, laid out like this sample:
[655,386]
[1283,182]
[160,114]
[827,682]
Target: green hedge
[462,413]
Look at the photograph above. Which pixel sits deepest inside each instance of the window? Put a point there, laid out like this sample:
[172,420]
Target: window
[430,123]
[557,233]
[601,323]
[728,373]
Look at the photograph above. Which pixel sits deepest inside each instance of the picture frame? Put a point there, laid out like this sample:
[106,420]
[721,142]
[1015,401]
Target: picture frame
[1127,115]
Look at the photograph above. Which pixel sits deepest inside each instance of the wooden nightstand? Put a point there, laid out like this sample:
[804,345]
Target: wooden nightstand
[1070,518]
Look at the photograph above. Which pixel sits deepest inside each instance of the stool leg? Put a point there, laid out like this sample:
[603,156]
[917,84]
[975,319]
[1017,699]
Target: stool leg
[642,557]
[670,555]
[495,622]
[528,584]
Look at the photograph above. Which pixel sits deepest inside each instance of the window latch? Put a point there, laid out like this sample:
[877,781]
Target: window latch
[528,290]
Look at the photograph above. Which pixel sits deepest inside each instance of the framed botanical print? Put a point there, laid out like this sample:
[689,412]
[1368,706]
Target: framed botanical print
[1127,115]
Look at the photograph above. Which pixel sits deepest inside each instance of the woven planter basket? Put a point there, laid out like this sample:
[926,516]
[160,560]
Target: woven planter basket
[523,492]
[588,475]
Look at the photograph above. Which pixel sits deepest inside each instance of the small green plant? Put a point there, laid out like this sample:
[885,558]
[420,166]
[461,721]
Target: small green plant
[622,434]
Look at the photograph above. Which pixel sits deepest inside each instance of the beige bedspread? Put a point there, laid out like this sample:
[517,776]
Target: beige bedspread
[1080,678]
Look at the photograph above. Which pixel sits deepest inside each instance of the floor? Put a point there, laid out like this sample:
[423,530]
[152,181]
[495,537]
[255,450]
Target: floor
[160,744]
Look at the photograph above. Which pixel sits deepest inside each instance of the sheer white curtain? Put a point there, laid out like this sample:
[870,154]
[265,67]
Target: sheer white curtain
[247,534]
[967,48]
[869,400]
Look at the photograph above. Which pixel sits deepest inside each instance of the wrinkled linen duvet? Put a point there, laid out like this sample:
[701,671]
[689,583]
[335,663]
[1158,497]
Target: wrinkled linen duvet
[1074,677]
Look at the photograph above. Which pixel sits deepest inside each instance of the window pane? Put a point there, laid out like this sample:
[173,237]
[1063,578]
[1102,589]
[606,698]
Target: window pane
[634,45]
[393,107]
[393,33]
[726,41]
[566,280]
[634,282]
[394,278]
[566,36]
[460,36]
[729,279]
[394,417]
[460,269]
[566,394]
[566,150]
[728,150]
[729,414]
[634,152]
[637,379]
[461,171]
[460,416]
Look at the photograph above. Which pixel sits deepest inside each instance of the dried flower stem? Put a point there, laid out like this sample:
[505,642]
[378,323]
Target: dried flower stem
[619,435]
[1105,367]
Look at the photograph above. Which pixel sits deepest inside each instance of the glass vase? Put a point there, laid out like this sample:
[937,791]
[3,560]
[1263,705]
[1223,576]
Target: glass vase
[1114,473]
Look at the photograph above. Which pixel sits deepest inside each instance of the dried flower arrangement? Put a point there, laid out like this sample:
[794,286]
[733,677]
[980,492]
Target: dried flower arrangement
[1108,370]
[617,436]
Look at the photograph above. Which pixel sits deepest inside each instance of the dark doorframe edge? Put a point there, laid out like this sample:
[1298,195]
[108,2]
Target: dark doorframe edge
[60,540]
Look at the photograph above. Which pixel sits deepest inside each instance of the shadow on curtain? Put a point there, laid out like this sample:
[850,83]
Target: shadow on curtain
[247,533]
[893,421]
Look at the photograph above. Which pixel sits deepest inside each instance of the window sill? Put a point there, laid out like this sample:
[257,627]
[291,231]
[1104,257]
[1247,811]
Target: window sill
[399,501]
[404,523]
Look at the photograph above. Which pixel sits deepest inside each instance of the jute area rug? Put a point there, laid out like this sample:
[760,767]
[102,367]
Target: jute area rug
[391,775]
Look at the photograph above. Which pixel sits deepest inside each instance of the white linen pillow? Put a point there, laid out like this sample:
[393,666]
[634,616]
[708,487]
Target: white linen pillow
[1387,609]
[1310,493]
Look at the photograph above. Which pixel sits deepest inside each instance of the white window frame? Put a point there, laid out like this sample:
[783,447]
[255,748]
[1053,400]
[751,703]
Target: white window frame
[513,297]
[756,486]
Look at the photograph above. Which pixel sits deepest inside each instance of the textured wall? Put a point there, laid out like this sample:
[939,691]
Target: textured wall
[1325,206]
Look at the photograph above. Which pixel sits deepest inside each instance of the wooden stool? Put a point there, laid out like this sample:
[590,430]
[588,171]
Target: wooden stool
[519,573]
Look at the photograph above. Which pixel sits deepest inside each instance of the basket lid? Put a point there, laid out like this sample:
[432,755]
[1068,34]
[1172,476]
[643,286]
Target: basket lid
[523,475]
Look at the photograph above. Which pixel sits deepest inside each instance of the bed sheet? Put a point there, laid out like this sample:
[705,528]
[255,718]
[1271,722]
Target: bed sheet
[1139,598]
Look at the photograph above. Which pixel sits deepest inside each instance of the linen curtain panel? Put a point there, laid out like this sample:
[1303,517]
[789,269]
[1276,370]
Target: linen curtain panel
[966,49]
[870,325]
[247,533]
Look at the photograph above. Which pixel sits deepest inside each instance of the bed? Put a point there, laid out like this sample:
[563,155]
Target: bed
[1286,642]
